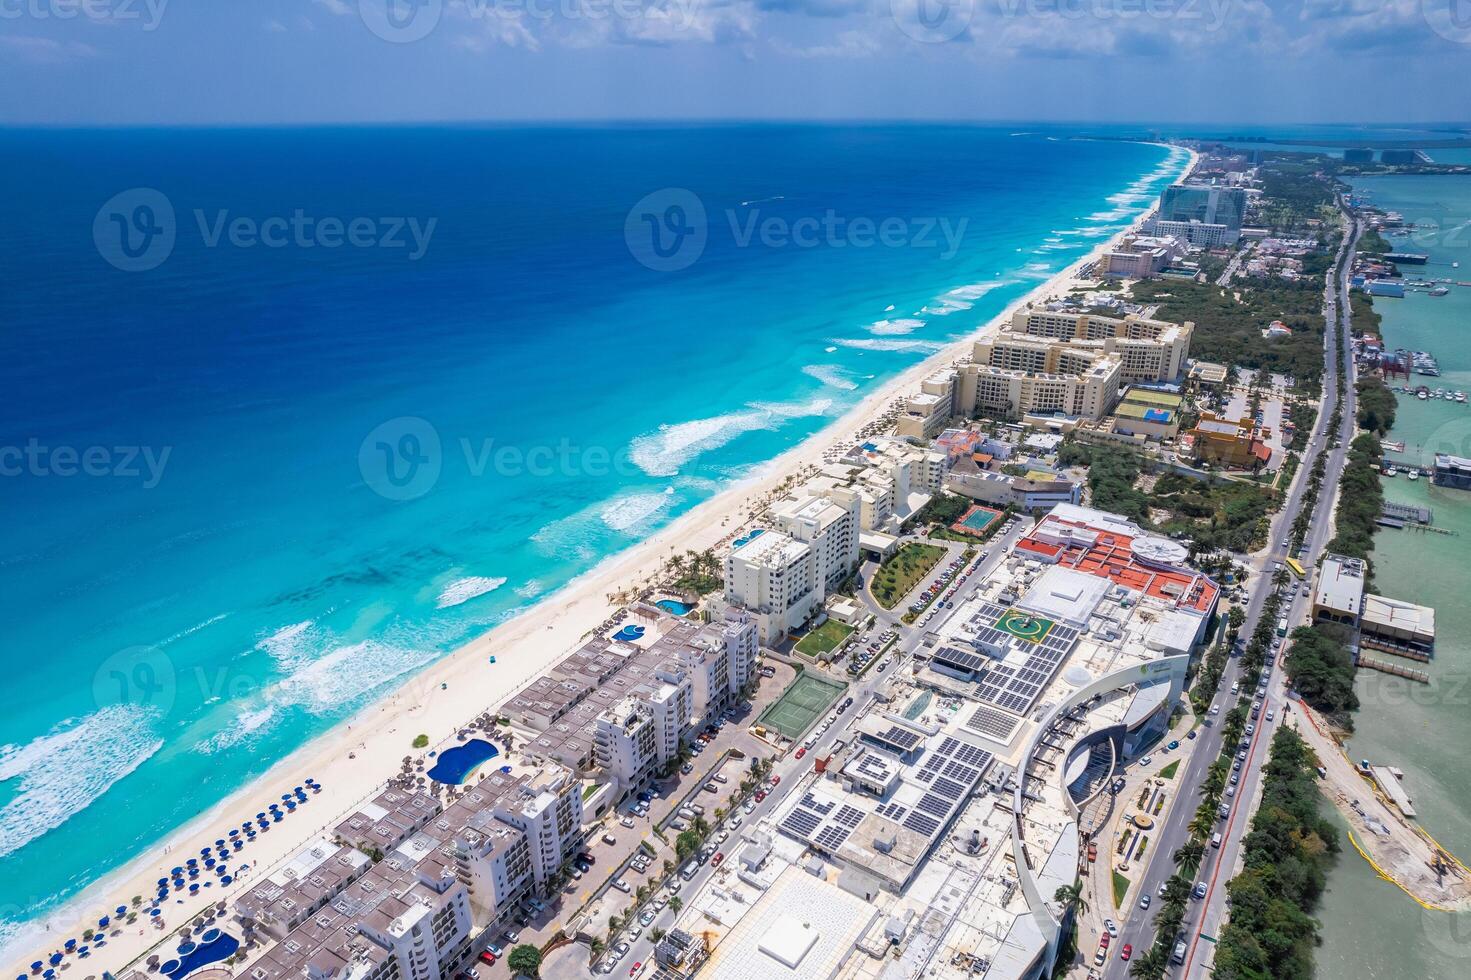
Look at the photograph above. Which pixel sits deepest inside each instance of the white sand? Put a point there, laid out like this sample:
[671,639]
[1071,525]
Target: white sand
[380,735]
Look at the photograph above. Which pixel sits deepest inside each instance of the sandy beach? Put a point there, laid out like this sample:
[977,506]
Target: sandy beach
[357,756]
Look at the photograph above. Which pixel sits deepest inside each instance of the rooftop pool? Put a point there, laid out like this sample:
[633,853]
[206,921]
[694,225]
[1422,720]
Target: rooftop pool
[212,947]
[455,765]
[674,606]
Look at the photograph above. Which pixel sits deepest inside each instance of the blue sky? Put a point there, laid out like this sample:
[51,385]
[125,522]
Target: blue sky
[292,61]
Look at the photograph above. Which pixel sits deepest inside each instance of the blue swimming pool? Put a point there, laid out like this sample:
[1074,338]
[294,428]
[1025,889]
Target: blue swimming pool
[212,947]
[748,538]
[629,633]
[674,606]
[455,765]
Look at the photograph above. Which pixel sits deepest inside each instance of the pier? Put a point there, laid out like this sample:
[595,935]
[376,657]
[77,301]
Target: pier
[1383,645]
[1388,779]
[1385,667]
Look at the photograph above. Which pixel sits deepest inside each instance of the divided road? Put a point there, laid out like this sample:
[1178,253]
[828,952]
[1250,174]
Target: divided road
[1204,917]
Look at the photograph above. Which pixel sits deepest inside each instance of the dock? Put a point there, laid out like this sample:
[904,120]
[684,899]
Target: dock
[1388,779]
[1408,512]
[1384,645]
[1385,667]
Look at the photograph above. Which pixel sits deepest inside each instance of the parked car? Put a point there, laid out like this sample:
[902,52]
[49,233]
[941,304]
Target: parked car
[715,861]
[1127,951]
[486,956]
[609,839]
[803,750]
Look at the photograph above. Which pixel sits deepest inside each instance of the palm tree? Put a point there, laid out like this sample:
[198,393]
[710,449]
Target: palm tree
[1151,965]
[1071,895]
[1188,857]
[675,904]
[597,946]
[668,867]
[656,934]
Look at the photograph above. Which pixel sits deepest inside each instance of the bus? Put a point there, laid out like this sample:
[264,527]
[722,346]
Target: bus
[1282,626]
[1297,568]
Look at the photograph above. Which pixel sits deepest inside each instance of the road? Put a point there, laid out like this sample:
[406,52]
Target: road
[1204,918]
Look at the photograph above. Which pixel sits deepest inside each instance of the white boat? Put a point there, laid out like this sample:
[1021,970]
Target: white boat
[1388,472]
[1461,396]
[1439,291]
[1414,475]
[1422,394]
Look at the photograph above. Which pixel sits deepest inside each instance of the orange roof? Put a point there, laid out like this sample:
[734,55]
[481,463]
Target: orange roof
[1113,558]
[1262,451]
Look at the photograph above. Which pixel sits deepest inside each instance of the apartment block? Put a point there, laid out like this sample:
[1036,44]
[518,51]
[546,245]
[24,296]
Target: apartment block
[775,578]
[927,411]
[1148,350]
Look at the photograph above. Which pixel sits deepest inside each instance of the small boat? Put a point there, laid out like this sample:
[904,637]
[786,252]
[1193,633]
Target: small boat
[1388,472]
[1438,393]
[1422,394]
[1414,475]
[1461,397]
[1439,291]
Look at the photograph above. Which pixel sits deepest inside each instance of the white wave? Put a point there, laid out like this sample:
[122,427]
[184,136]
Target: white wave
[633,511]
[900,326]
[462,590]
[963,297]
[828,350]
[289,644]
[830,375]
[247,723]
[898,346]
[60,774]
[889,308]
[531,589]
[663,452]
[344,674]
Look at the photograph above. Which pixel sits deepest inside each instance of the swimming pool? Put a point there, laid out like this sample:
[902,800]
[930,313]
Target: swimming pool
[212,947]
[675,606]
[629,633]
[456,764]
[747,538]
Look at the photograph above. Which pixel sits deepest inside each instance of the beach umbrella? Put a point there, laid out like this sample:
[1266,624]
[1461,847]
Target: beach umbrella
[102,922]
[121,910]
[204,850]
[155,913]
[69,945]
[226,880]
[36,966]
[178,871]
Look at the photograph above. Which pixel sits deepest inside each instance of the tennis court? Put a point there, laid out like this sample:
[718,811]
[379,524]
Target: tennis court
[976,520]
[800,705]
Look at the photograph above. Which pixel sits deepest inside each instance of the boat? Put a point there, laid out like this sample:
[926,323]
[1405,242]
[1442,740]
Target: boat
[1439,291]
[1414,475]
[1388,472]
[1461,397]
[1438,393]
[1422,394]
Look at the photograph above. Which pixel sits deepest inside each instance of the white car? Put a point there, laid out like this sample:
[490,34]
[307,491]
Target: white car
[1146,760]
[626,821]
[622,886]
[1112,927]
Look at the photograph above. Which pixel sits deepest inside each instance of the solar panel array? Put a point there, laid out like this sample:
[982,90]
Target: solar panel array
[904,739]
[959,659]
[1016,688]
[823,824]
[994,723]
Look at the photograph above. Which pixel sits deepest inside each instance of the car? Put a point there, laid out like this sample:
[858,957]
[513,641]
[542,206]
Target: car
[842,708]
[1112,927]
[1127,951]
[1235,779]
[645,796]
[622,886]
[1236,766]
[1199,891]
[1271,714]
[621,949]
[715,861]
[1103,941]
[1144,901]
[721,837]
[511,936]
[608,967]
[633,970]
[801,752]
[486,956]
[686,768]
[577,873]
[748,807]
[760,795]
[1190,734]
[776,780]
[1250,730]
[1175,744]
[1241,756]
[1215,709]
[1146,760]
[609,839]
[1230,790]
[647,917]
[626,821]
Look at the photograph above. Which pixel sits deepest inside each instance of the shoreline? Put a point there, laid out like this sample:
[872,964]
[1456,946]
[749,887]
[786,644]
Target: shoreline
[354,757]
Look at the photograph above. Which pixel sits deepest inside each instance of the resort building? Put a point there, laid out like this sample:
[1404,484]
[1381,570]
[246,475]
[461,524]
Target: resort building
[1383,623]
[776,579]
[1149,350]
[1214,213]
[1239,444]
[829,526]
[1197,233]
[927,411]
[294,892]
[1141,257]
[1015,377]
[1002,490]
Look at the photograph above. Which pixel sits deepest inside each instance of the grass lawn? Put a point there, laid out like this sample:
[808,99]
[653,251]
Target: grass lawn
[1169,771]
[1120,889]
[824,638]
[910,565]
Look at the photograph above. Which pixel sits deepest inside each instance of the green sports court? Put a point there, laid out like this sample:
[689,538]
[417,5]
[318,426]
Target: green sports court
[800,705]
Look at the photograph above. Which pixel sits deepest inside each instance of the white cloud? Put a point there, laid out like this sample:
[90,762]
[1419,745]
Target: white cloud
[339,7]
[44,50]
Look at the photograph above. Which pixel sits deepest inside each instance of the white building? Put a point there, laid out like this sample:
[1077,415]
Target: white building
[775,578]
[829,526]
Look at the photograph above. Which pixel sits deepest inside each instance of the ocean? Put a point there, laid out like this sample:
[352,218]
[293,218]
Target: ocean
[290,413]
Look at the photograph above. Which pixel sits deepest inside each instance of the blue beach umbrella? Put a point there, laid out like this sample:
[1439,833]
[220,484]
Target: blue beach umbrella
[102,922]
[36,966]
[121,910]
[226,880]
[69,945]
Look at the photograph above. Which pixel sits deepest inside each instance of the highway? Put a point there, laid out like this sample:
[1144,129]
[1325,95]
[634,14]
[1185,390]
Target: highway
[1205,917]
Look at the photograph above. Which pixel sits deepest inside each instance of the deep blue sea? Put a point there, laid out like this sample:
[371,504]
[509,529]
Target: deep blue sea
[286,414]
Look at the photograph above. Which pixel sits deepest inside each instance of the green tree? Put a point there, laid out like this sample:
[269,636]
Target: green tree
[675,904]
[421,741]
[525,959]
[686,844]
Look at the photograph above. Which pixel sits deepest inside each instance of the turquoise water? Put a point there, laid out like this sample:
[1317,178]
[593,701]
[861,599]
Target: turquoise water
[674,606]
[1371,930]
[314,470]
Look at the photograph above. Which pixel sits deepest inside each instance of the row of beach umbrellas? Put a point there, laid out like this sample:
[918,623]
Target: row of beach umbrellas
[185,877]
